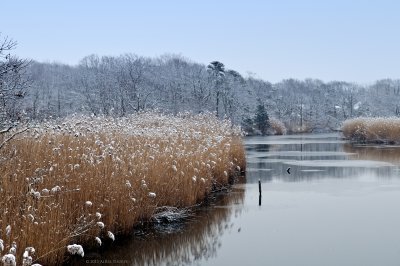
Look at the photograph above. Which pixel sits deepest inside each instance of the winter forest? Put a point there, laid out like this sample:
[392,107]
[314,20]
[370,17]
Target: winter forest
[117,86]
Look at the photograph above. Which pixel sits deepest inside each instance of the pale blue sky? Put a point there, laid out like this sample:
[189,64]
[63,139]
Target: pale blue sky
[330,40]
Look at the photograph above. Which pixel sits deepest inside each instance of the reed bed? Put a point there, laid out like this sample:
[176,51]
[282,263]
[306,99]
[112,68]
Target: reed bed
[374,129]
[77,183]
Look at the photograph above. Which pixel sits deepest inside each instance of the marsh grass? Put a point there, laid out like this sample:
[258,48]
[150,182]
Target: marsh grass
[87,178]
[377,129]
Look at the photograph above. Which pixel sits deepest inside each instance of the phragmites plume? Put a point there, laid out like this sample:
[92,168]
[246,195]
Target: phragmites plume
[111,235]
[55,189]
[45,192]
[100,224]
[75,249]
[98,240]
[26,258]
[9,260]
[8,230]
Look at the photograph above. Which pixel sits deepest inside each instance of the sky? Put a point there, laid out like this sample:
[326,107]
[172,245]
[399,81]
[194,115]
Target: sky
[356,41]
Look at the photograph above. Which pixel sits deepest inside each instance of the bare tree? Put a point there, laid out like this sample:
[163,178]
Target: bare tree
[131,78]
[13,85]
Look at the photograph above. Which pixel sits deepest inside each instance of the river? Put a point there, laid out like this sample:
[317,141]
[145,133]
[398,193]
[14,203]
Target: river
[338,206]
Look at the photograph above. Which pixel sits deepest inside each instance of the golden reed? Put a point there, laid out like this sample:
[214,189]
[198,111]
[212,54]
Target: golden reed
[78,182]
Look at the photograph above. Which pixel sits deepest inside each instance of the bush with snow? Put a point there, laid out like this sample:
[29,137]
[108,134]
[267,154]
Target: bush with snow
[277,127]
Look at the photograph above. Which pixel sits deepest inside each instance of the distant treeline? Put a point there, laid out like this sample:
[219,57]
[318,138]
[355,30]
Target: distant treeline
[129,83]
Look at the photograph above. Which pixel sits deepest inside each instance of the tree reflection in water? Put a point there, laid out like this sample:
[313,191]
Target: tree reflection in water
[318,160]
[385,153]
[177,244]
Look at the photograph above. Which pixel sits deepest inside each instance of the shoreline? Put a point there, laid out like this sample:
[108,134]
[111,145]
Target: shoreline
[150,229]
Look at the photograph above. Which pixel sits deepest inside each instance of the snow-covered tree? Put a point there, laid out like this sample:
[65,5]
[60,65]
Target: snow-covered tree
[261,118]
[121,85]
[217,74]
[13,84]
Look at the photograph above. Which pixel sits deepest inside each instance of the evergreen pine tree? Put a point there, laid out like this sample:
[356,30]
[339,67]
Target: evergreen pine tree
[261,118]
[247,125]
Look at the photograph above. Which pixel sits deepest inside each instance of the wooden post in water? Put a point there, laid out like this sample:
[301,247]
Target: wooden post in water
[259,191]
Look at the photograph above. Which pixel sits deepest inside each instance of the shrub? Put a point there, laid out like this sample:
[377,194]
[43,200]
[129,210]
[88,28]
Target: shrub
[277,127]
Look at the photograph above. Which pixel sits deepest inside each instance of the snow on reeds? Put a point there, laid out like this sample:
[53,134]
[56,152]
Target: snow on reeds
[85,179]
[372,129]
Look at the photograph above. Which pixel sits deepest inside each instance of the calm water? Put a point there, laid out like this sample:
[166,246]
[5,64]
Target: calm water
[339,206]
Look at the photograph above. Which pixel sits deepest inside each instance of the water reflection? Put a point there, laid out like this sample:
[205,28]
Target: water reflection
[261,148]
[316,157]
[386,153]
[194,240]
[337,207]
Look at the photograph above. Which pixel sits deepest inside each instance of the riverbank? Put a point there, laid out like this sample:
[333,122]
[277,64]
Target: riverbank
[372,130]
[181,242]
[85,180]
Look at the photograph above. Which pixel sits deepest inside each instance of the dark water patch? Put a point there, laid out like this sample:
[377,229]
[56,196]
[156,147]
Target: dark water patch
[258,170]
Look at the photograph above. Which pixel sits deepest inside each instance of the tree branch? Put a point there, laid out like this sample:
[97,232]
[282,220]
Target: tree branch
[12,136]
[5,130]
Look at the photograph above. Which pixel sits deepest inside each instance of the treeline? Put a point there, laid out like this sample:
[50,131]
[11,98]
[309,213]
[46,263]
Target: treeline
[129,83]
